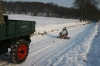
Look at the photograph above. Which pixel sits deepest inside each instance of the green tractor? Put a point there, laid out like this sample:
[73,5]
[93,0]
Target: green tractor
[15,34]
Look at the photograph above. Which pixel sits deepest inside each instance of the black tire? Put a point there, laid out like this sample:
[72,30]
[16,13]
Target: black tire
[19,51]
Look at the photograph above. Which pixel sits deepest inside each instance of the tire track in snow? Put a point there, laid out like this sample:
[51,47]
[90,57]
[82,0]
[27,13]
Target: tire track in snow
[39,51]
[58,50]
[48,43]
[32,55]
[55,60]
[43,41]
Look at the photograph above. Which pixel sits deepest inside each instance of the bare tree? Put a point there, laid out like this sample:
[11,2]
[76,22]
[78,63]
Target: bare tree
[85,7]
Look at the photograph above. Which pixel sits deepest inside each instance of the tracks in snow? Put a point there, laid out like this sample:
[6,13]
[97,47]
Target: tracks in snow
[45,47]
[50,47]
[68,52]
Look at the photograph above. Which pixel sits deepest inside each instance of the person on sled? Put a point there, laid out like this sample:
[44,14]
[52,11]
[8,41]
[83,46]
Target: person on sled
[64,33]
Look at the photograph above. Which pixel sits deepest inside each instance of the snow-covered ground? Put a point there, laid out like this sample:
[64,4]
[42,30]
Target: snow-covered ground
[93,58]
[82,49]
[42,20]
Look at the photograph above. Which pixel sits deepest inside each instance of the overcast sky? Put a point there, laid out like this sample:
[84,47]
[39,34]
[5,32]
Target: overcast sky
[65,3]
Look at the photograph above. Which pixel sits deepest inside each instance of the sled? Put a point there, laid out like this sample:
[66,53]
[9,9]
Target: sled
[62,36]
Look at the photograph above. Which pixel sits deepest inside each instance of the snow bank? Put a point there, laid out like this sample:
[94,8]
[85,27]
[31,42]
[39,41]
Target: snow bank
[55,27]
[93,58]
[83,45]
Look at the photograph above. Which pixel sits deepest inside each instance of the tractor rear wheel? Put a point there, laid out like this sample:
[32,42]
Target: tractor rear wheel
[19,51]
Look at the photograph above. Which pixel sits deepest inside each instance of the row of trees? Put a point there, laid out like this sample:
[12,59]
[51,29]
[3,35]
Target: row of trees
[83,9]
[88,9]
[39,8]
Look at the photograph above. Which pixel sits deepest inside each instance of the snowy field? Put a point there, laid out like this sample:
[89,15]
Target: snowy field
[82,49]
[41,20]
